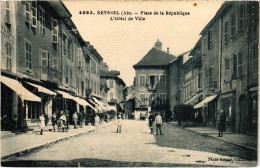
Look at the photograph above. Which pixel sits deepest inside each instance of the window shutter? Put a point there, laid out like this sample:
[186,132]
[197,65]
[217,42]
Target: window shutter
[79,57]
[156,79]
[27,11]
[55,30]
[34,14]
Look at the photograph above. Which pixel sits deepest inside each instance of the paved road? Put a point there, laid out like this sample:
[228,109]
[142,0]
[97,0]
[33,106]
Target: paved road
[135,146]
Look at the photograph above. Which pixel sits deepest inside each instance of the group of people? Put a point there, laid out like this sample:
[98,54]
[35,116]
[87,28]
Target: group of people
[61,121]
[158,122]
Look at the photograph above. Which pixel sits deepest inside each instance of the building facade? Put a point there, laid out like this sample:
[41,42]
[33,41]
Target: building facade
[42,54]
[152,82]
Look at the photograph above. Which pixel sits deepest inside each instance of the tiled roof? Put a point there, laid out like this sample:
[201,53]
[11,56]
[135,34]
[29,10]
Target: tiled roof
[155,57]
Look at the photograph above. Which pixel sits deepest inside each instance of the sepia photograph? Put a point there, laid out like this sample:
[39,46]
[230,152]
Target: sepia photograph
[129,83]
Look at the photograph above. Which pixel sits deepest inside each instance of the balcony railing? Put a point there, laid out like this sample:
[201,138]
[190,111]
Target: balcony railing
[47,73]
[151,87]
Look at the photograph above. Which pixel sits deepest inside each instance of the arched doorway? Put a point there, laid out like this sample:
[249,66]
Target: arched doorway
[242,127]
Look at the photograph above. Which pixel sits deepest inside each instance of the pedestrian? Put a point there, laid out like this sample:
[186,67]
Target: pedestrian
[119,124]
[42,123]
[46,119]
[80,118]
[97,120]
[54,120]
[158,122]
[63,121]
[75,119]
[221,123]
[67,119]
[151,120]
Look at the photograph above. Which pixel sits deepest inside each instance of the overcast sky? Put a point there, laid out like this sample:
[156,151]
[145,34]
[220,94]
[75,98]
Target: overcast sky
[123,43]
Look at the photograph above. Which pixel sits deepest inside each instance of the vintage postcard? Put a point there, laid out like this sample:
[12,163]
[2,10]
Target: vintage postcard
[129,83]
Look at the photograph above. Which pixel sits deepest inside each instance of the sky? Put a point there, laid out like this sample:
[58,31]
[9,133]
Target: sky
[123,43]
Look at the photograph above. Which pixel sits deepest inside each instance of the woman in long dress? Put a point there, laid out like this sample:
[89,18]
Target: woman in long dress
[42,122]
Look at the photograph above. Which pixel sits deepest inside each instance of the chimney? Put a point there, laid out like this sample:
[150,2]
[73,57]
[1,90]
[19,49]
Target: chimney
[158,44]
[168,49]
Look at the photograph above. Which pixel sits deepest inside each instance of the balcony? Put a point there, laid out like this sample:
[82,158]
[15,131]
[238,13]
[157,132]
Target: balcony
[151,87]
[47,73]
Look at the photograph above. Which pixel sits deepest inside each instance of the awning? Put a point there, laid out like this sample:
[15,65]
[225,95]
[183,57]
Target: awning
[194,98]
[101,104]
[65,95]
[76,99]
[42,89]
[83,102]
[19,89]
[206,100]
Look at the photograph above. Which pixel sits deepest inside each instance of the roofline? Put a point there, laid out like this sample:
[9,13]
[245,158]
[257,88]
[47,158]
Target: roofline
[221,9]
[139,66]
[200,39]
[164,52]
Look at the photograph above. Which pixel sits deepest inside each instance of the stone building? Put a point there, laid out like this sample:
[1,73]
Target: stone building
[152,82]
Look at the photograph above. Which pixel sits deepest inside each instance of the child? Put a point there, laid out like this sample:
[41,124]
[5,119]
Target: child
[119,124]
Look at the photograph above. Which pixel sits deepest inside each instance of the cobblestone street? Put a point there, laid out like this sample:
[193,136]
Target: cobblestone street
[135,146]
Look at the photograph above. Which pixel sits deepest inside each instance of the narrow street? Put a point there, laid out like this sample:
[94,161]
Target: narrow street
[135,146]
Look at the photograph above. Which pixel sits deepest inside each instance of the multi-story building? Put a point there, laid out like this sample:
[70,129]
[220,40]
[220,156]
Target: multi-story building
[152,82]
[43,67]
[239,53]
[230,66]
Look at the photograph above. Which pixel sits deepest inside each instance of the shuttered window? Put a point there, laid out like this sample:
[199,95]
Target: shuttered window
[34,14]
[28,55]
[42,20]
[8,49]
[44,58]
[240,64]
[55,30]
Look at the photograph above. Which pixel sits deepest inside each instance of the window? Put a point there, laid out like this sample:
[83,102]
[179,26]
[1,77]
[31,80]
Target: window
[93,66]
[210,42]
[255,59]
[32,110]
[162,81]
[64,40]
[227,69]
[7,12]
[79,57]
[82,88]
[233,25]
[55,30]
[239,64]
[42,20]
[111,96]
[152,82]
[27,11]
[34,14]
[226,27]
[162,98]
[28,54]
[66,74]
[95,87]
[44,58]
[111,84]
[8,49]
[210,76]
[71,74]
[234,75]
[55,64]
[142,80]
[69,48]
[241,16]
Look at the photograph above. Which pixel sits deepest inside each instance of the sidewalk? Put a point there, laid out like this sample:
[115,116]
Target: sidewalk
[243,140]
[32,139]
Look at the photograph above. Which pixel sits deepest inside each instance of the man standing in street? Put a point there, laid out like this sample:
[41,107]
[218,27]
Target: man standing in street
[75,119]
[151,120]
[158,122]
